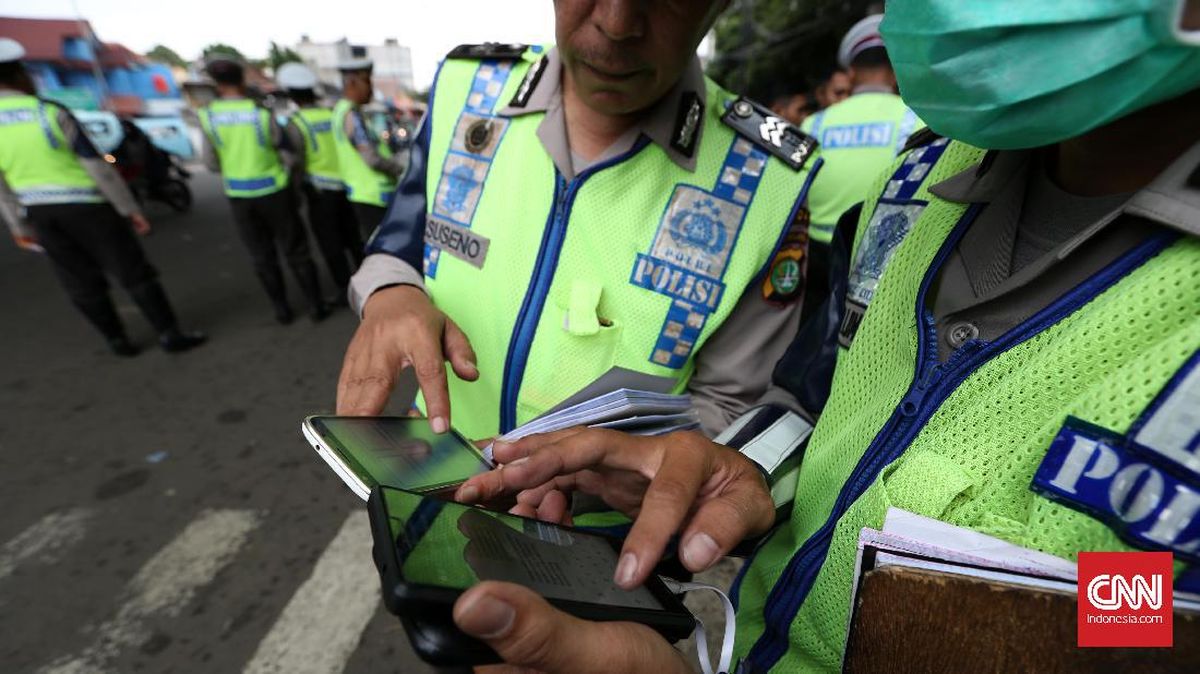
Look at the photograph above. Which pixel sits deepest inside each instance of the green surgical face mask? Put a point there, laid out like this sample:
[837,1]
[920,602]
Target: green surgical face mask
[1002,74]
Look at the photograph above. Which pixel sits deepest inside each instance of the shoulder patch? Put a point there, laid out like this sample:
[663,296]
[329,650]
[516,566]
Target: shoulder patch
[771,133]
[923,136]
[529,83]
[785,280]
[488,50]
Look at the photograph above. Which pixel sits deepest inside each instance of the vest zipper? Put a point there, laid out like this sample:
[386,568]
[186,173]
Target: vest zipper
[525,327]
[925,395]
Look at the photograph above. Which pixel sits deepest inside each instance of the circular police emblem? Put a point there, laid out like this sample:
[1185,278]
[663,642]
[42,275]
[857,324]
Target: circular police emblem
[478,134]
[700,227]
[785,275]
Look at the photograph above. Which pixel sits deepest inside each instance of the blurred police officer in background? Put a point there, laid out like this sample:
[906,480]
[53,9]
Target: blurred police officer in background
[1028,367]
[368,168]
[243,142]
[310,140]
[861,135]
[80,212]
[597,205]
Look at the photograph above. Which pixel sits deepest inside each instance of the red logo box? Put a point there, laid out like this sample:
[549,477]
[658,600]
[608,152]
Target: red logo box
[1125,599]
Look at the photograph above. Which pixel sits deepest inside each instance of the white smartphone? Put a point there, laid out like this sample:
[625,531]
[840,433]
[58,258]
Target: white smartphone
[399,452]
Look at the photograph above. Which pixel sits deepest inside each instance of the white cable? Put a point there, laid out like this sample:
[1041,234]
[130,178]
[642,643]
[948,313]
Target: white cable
[677,587]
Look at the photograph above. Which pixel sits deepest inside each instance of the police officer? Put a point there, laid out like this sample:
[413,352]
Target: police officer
[1029,365]
[61,198]
[596,206]
[310,137]
[243,142]
[860,135]
[368,168]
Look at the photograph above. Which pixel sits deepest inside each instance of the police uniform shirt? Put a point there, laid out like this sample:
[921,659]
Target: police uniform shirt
[995,278]
[354,125]
[108,181]
[734,366]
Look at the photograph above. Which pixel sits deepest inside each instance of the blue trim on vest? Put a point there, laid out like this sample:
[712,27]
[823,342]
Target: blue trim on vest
[44,120]
[929,389]
[801,201]
[249,184]
[817,119]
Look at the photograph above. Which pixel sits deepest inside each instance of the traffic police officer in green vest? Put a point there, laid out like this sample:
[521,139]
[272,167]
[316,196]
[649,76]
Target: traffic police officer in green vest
[1028,367]
[244,143]
[595,207]
[310,136]
[861,135]
[368,168]
[61,198]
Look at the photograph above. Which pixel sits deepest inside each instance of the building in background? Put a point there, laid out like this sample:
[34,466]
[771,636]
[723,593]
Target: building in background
[71,65]
[393,73]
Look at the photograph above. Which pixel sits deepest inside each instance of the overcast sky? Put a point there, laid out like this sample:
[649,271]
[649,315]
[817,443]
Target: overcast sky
[430,29]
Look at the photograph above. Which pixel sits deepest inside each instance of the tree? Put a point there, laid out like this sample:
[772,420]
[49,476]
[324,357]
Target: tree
[166,55]
[278,55]
[769,47]
[222,48]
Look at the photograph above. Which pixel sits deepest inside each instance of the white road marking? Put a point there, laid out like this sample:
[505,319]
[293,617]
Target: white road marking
[321,625]
[165,585]
[44,540]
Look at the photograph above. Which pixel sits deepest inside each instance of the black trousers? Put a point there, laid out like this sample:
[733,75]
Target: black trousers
[269,225]
[336,231]
[368,217]
[84,242]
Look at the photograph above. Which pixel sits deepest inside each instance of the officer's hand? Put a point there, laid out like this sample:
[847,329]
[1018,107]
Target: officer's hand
[401,328]
[530,634]
[140,224]
[677,483]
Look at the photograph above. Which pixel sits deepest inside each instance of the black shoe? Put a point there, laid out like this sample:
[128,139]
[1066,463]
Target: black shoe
[284,315]
[174,341]
[124,348]
[320,313]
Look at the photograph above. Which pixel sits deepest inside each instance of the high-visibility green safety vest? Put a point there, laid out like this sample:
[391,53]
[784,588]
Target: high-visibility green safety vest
[38,164]
[364,184]
[320,151]
[964,441]
[860,137]
[240,132]
[634,263]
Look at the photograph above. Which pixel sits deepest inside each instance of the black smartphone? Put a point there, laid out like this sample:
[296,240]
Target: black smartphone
[430,551]
[394,451]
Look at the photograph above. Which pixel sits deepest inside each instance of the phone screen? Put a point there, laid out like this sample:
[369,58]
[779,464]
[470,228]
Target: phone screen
[450,545]
[400,452]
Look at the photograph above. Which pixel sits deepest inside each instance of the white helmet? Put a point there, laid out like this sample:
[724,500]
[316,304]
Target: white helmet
[10,50]
[293,75]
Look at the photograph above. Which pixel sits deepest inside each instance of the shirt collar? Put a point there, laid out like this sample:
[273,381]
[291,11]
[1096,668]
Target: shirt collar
[661,123]
[871,89]
[1172,199]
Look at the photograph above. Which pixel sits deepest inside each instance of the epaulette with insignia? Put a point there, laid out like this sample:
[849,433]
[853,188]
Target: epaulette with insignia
[773,134]
[923,136]
[488,50]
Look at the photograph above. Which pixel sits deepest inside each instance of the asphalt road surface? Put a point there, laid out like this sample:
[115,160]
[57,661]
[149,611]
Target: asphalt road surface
[163,513]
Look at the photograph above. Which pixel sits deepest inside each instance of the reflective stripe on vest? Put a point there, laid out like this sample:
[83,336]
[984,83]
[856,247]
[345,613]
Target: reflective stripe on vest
[38,165]
[633,264]
[860,137]
[960,441]
[364,184]
[320,153]
[240,131]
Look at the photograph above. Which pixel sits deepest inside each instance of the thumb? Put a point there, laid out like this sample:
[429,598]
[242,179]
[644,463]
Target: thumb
[526,631]
[458,351]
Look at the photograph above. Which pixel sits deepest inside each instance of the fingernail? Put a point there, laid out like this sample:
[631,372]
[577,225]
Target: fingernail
[485,617]
[438,424]
[626,570]
[468,493]
[699,552]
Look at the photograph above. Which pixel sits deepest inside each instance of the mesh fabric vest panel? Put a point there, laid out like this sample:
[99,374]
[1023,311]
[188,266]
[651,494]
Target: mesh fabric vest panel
[320,152]
[865,132]
[614,216]
[972,462]
[38,164]
[364,184]
[240,133]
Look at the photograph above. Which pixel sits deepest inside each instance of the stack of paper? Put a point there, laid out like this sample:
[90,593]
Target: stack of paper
[628,410]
